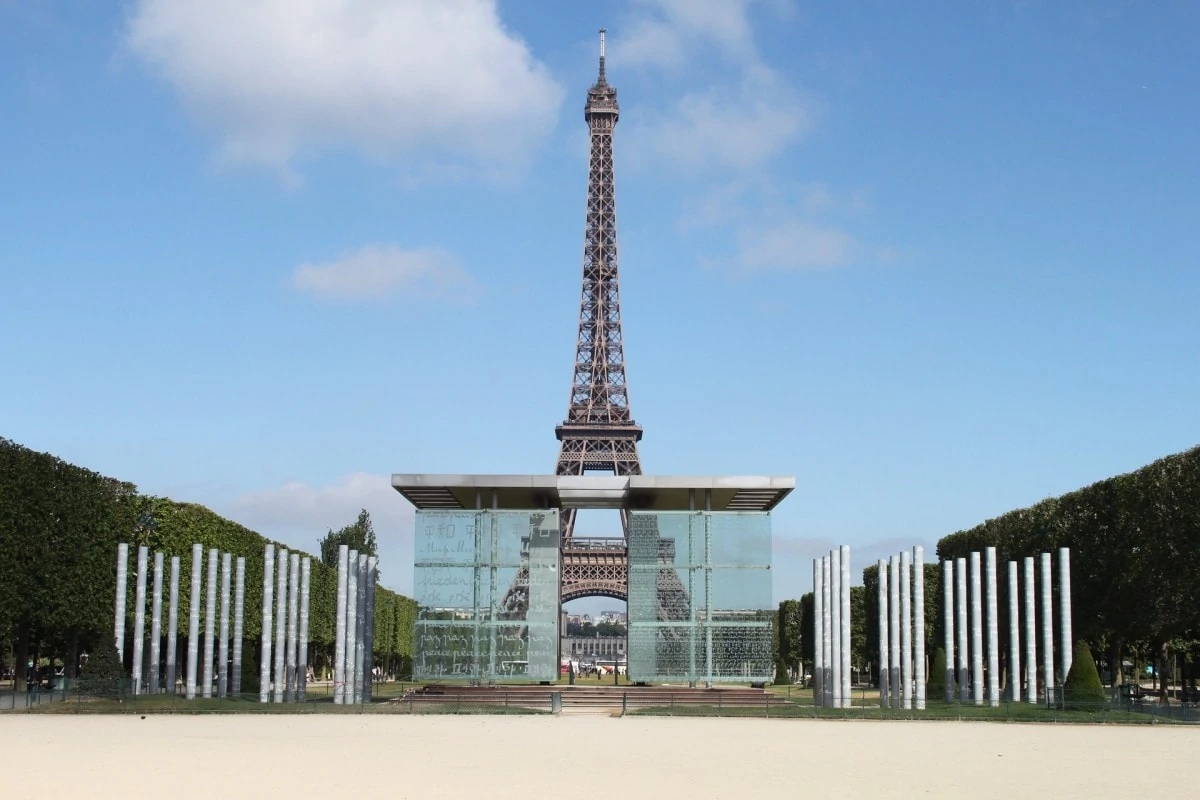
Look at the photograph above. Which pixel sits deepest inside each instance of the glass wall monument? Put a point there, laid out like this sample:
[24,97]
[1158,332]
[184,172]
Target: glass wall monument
[487,588]
[700,597]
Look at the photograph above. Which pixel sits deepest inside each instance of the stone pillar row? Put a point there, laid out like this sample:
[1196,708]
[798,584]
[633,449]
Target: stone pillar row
[984,592]
[354,627]
[221,669]
[902,630]
[283,670]
[831,629]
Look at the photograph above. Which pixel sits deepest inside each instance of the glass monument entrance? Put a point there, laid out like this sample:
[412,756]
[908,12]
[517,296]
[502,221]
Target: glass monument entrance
[488,581]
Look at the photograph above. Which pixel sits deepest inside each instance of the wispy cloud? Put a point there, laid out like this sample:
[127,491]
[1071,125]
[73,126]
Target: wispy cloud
[378,271]
[426,80]
[300,514]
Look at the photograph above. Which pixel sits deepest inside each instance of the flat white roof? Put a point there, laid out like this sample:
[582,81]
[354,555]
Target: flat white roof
[643,492]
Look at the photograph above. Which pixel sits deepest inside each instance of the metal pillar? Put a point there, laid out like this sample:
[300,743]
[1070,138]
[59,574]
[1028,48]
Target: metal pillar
[919,625]
[894,689]
[960,611]
[339,639]
[351,624]
[1031,682]
[173,625]
[835,594]
[883,634]
[1014,634]
[119,606]
[906,629]
[826,634]
[223,644]
[281,590]
[360,631]
[210,619]
[1047,629]
[1064,611]
[369,638]
[194,621]
[844,647]
[139,618]
[264,663]
[976,631]
[239,628]
[818,632]
[156,624]
[302,685]
[293,649]
[948,625]
[993,629]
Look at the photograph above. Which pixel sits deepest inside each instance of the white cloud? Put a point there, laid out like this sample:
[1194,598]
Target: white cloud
[793,245]
[300,514]
[425,79]
[376,271]
[661,32]
[740,128]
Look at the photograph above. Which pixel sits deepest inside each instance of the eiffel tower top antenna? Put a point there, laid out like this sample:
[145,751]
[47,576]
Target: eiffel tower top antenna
[601,80]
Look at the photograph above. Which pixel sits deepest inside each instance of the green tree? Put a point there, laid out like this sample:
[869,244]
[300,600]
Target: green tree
[1082,688]
[935,687]
[102,675]
[791,636]
[359,535]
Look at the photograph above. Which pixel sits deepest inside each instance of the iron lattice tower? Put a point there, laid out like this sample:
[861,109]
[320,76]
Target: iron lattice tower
[599,434]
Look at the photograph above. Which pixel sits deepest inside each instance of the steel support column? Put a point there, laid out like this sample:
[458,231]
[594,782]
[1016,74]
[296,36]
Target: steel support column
[268,605]
[1031,681]
[173,626]
[194,621]
[156,624]
[948,625]
[918,592]
[1014,634]
[993,629]
[976,631]
[884,659]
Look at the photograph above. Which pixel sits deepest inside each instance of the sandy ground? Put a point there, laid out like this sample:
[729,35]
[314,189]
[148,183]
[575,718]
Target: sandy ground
[589,756]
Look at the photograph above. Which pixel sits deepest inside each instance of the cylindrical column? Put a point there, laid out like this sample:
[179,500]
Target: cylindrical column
[905,629]
[827,633]
[156,624]
[1064,610]
[360,634]
[835,594]
[948,625]
[883,633]
[264,664]
[818,635]
[1047,628]
[894,689]
[139,617]
[239,628]
[293,626]
[369,630]
[339,639]
[210,619]
[119,606]
[173,625]
[223,644]
[845,619]
[194,621]
[302,663]
[1031,683]
[960,624]
[976,630]
[351,622]
[993,629]
[1014,634]
[281,590]
[919,625]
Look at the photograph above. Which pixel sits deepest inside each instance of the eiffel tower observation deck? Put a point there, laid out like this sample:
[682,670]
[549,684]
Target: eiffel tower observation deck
[495,556]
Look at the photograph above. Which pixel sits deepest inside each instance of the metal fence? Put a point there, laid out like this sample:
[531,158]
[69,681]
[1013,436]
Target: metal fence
[404,698]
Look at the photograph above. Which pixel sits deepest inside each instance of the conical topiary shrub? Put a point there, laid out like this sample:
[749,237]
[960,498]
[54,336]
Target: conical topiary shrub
[1083,689]
[103,673]
[935,687]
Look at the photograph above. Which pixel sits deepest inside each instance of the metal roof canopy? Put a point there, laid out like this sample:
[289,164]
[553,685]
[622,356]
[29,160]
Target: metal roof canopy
[637,492]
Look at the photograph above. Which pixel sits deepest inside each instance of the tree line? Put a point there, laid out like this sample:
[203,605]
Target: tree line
[1135,571]
[59,529]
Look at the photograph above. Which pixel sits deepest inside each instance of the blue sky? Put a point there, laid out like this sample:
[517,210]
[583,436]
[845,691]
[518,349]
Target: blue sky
[937,260]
